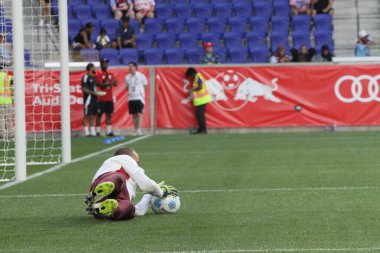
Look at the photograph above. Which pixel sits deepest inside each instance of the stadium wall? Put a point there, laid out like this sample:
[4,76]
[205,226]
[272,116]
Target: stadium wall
[245,98]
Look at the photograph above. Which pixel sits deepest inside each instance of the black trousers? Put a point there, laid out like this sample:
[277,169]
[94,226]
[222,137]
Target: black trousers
[200,113]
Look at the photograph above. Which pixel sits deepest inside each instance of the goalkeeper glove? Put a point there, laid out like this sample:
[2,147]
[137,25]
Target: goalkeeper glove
[169,190]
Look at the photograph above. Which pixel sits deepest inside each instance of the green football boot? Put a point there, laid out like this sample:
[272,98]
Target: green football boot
[107,207]
[101,190]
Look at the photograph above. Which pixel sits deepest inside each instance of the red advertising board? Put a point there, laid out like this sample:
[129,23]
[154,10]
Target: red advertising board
[273,96]
[43,101]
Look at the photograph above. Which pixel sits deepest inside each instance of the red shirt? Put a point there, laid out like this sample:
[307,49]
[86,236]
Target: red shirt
[105,77]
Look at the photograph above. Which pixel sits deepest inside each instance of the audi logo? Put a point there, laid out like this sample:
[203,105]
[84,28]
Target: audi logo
[357,88]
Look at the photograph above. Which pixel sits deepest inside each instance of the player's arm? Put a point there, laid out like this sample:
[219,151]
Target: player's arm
[199,85]
[85,88]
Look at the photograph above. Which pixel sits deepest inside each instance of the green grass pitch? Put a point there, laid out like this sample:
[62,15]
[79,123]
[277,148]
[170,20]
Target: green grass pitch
[296,192]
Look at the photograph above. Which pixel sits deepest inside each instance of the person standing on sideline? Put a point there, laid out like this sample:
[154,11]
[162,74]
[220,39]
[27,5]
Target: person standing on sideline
[7,130]
[105,81]
[136,84]
[200,98]
[89,100]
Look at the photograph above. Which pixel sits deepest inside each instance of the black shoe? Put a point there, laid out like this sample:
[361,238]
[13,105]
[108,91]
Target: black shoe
[98,134]
[110,134]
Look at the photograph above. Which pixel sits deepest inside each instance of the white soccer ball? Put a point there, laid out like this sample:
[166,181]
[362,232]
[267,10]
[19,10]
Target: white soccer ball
[169,204]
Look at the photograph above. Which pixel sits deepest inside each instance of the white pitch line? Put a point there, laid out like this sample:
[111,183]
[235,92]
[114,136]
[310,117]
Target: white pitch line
[213,191]
[272,250]
[59,166]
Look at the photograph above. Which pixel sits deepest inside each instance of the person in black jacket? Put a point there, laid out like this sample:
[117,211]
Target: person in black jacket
[302,55]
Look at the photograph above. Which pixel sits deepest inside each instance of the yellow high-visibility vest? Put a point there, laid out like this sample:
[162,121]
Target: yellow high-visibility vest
[5,88]
[201,96]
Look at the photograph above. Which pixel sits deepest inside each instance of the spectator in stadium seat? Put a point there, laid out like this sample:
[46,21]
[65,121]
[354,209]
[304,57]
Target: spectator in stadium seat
[83,38]
[363,45]
[5,51]
[103,41]
[209,57]
[122,9]
[301,7]
[325,56]
[125,35]
[280,56]
[323,7]
[302,55]
[144,9]
[45,12]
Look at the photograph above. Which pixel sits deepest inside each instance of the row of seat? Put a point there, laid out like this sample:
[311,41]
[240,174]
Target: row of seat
[156,56]
[165,11]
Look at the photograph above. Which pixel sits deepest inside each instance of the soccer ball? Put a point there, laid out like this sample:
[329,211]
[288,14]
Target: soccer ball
[169,204]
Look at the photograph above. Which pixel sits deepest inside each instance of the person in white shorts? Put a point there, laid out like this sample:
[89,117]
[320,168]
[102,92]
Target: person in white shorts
[136,84]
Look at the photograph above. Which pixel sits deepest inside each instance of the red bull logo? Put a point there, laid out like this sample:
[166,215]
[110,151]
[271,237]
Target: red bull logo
[232,85]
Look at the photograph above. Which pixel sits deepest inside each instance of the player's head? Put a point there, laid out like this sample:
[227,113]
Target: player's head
[90,68]
[191,72]
[132,66]
[104,63]
[129,152]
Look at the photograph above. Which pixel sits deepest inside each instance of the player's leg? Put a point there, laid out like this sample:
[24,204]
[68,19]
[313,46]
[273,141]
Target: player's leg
[100,111]
[200,115]
[142,207]
[109,111]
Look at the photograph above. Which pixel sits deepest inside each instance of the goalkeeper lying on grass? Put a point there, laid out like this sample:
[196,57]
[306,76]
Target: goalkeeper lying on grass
[114,186]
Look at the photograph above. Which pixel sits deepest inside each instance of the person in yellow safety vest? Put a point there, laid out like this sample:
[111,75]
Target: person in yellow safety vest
[201,98]
[6,105]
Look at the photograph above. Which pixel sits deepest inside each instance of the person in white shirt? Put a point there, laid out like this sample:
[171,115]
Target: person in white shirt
[114,187]
[136,83]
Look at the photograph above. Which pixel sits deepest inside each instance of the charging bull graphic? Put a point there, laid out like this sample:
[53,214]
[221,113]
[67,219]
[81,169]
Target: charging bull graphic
[231,85]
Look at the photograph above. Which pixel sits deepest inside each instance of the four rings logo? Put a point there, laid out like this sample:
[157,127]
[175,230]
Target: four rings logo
[363,89]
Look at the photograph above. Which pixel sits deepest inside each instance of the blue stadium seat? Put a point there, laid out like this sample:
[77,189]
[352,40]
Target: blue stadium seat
[89,54]
[129,54]
[6,26]
[179,2]
[216,24]
[203,10]
[278,39]
[262,2]
[82,11]
[242,1]
[238,24]
[221,52]
[193,55]
[70,14]
[255,40]
[263,10]
[223,9]
[135,24]
[300,39]
[280,24]
[196,25]
[161,1]
[279,2]
[112,55]
[183,10]
[75,2]
[199,1]
[101,11]
[323,38]
[96,2]
[260,54]
[73,26]
[175,25]
[323,22]
[259,24]
[165,40]
[301,23]
[214,38]
[243,10]
[175,55]
[111,26]
[281,9]
[232,40]
[163,11]
[153,56]
[143,42]
[238,55]
[188,40]
[153,26]
[27,60]
[220,1]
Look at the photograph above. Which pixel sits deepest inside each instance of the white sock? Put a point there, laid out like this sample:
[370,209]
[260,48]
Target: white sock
[109,129]
[142,207]
[92,130]
[86,131]
[98,129]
